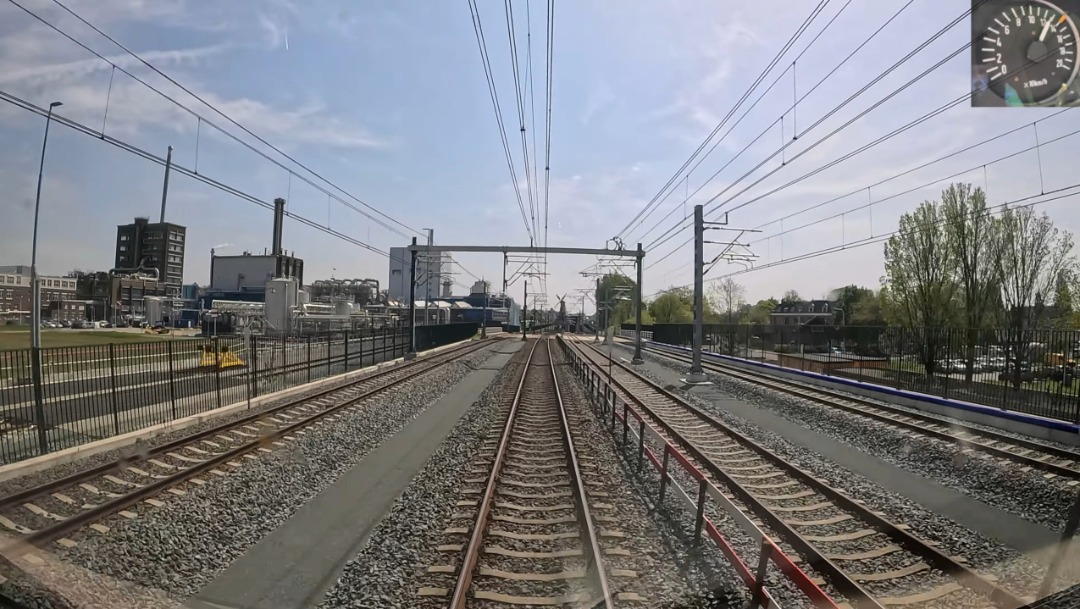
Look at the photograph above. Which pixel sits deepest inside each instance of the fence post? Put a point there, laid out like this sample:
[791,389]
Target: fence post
[329,364]
[345,347]
[625,423]
[763,565]
[217,370]
[699,520]
[308,366]
[641,445]
[664,474]
[254,366]
[39,399]
[172,377]
[112,388]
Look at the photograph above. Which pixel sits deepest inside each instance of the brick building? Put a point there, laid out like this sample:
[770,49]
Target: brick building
[57,295]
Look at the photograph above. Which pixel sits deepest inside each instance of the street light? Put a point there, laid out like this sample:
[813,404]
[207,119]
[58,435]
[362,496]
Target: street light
[35,286]
[35,307]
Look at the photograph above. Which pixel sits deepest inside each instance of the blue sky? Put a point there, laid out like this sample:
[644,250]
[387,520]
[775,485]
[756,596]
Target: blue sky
[388,101]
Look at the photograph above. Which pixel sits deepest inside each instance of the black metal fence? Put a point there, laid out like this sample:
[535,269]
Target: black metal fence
[93,392]
[1031,371]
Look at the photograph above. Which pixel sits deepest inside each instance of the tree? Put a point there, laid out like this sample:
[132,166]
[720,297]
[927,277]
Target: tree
[726,297]
[973,236]
[918,270]
[790,296]
[610,286]
[759,313]
[673,307]
[867,311]
[1034,257]
[847,299]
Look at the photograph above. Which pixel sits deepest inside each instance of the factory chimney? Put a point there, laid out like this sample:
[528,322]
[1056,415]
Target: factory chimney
[279,220]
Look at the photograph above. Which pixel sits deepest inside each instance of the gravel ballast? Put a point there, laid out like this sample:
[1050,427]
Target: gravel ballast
[1015,571]
[179,547]
[1005,486]
[671,572]
[390,569]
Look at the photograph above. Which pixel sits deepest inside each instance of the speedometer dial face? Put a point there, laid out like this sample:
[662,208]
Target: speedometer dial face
[1028,52]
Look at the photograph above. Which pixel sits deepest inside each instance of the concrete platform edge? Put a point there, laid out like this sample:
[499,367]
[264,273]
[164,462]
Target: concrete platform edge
[75,453]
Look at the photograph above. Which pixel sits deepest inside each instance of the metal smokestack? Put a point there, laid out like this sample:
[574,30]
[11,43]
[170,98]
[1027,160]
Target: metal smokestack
[279,220]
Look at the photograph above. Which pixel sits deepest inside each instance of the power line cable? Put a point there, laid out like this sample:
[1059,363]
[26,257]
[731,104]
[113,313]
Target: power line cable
[921,186]
[1000,208]
[898,175]
[666,236]
[216,110]
[549,86]
[175,167]
[675,177]
[791,109]
[481,43]
[519,99]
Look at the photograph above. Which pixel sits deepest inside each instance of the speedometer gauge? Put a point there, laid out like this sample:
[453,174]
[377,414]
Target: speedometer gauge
[1028,51]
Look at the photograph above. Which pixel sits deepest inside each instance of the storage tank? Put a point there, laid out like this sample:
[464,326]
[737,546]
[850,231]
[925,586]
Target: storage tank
[343,307]
[281,299]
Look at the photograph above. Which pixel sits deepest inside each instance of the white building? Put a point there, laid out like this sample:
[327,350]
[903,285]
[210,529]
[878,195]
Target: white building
[431,270]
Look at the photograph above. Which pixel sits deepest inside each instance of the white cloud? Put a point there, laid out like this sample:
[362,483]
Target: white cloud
[41,72]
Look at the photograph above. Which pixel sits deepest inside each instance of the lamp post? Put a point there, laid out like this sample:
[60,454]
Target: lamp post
[35,286]
[35,306]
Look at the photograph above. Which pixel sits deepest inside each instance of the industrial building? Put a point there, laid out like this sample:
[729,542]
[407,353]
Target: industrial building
[356,291]
[244,278]
[118,295]
[432,275]
[247,272]
[156,247]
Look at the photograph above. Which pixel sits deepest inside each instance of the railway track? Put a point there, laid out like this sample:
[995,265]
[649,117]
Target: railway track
[531,529]
[871,561]
[1028,454]
[48,513]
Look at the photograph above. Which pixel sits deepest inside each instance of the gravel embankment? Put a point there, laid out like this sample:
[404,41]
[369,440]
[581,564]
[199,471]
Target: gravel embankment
[21,483]
[1004,486]
[181,546]
[1016,572]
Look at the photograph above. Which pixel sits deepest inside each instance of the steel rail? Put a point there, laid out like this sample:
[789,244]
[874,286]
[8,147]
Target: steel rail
[43,536]
[584,516]
[472,551]
[847,586]
[829,398]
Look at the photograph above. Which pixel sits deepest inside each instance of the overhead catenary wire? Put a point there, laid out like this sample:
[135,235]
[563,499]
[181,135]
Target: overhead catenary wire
[675,178]
[791,109]
[519,99]
[549,87]
[1061,193]
[203,119]
[957,174]
[177,168]
[481,43]
[666,235]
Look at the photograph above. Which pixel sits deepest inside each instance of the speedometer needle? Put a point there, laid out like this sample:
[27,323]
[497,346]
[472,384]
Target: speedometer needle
[1046,28]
